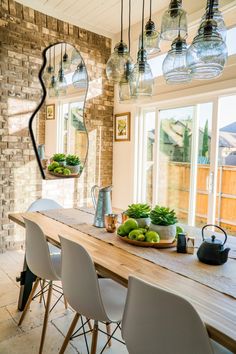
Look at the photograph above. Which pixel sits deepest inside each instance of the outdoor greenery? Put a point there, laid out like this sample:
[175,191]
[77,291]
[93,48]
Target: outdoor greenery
[137,211]
[163,216]
[205,141]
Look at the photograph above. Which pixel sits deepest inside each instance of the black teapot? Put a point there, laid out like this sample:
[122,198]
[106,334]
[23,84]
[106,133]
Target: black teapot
[212,250]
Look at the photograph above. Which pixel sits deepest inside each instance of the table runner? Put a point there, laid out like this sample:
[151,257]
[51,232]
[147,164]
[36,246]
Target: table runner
[221,278]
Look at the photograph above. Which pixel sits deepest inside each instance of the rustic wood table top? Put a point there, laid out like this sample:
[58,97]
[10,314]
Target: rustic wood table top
[217,310]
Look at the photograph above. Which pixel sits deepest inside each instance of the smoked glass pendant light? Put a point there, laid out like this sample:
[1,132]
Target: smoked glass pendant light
[151,38]
[79,77]
[217,16]
[62,84]
[174,67]
[141,79]
[124,84]
[49,70]
[174,22]
[116,63]
[65,60]
[53,88]
[207,55]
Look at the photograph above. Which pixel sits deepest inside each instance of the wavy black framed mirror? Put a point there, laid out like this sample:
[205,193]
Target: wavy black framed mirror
[57,127]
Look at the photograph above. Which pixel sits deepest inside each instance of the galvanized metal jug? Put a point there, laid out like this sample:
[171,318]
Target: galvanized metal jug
[102,205]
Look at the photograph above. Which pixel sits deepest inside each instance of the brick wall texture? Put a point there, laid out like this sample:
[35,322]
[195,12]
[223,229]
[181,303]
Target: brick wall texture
[24,33]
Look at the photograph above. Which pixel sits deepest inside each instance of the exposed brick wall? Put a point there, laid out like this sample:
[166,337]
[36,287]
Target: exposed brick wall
[24,33]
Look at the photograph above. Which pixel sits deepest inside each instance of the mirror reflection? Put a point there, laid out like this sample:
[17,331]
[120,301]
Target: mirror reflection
[61,140]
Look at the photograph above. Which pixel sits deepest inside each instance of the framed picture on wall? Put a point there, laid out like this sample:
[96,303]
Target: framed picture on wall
[122,126]
[50,111]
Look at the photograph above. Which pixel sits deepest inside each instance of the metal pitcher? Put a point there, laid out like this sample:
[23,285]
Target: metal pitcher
[102,205]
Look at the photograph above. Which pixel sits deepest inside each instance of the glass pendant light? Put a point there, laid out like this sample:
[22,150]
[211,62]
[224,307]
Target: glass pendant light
[116,63]
[79,77]
[151,38]
[124,84]
[53,88]
[174,21]
[62,84]
[49,71]
[75,57]
[141,79]
[207,55]
[65,60]
[174,67]
[217,16]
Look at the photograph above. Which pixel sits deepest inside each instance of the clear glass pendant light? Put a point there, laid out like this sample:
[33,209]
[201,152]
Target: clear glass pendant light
[207,55]
[75,57]
[62,84]
[79,77]
[65,60]
[116,63]
[151,37]
[124,84]
[218,17]
[141,79]
[174,67]
[174,21]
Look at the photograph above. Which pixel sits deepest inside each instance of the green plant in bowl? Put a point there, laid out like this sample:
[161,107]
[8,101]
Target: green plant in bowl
[163,221]
[73,163]
[60,158]
[140,212]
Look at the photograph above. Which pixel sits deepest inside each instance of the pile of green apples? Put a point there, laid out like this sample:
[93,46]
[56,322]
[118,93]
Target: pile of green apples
[55,167]
[132,231]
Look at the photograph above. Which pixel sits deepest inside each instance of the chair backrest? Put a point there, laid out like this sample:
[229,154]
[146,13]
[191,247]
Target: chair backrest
[37,252]
[157,321]
[44,204]
[80,281]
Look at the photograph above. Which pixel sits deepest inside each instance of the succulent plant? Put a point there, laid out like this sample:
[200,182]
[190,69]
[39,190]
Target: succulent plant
[138,211]
[59,157]
[72,160]
[163,216]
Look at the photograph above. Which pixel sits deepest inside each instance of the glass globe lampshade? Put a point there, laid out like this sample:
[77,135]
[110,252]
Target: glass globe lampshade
[79,77]
[48,74]
[174,66]
[75,57]
[53,88]
[151,38]
[217,16]
[115,67]
[141,79]
[174,21]
[124,84]
[65,62]
[207,55]
[62,84]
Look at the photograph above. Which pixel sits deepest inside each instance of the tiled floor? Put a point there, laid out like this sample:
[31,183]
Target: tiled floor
[25,339]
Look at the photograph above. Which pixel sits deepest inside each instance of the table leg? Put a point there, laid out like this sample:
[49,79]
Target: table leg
[26,280]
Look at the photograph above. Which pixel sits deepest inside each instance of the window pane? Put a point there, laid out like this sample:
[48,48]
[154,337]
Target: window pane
[175,140]
[149,125]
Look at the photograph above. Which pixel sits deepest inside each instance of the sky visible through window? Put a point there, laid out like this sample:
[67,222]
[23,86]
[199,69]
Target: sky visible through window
[156,62]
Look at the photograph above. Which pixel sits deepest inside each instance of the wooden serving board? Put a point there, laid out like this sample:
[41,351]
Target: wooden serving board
[161,244]
[72,175]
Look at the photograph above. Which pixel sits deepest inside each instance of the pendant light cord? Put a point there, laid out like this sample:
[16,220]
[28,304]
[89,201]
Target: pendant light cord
[142,23]
[61,56]
[210,10]
[129,24]
[150,15]
[54,59]
[50,57]
[121,22]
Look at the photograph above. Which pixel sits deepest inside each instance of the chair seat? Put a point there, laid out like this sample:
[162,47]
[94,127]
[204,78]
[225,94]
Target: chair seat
[113,297]
[218,349]
[56,262]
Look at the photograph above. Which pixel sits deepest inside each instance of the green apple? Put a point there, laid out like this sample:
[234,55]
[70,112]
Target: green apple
[129,225]
[133,235]
[152,236]
[121,231]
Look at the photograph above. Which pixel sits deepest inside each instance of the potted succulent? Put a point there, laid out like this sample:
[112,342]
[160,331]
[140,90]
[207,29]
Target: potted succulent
[60,158]
[139,212]
[163,221]
[73,163]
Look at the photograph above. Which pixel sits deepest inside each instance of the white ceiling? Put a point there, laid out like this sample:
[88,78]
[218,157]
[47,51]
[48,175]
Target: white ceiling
[102,16]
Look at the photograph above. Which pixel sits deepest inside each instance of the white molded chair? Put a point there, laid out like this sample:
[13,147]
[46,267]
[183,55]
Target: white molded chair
[98,299]
[43,265]
[157,321]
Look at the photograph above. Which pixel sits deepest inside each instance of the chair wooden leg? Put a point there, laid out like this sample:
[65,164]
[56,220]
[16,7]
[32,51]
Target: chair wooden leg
[42,286]
[95,338]
[108,325]
[45,321]
[65,302]
[69,333]
[29,301]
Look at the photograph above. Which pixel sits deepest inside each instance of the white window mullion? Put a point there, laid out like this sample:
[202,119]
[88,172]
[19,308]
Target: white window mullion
[156,158]
[212,188]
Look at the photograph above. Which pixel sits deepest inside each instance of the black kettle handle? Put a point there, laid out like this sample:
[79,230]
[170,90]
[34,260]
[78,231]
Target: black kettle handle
[218,227]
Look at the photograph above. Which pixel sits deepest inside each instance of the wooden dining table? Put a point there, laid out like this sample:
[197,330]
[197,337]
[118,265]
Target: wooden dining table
[216,309]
